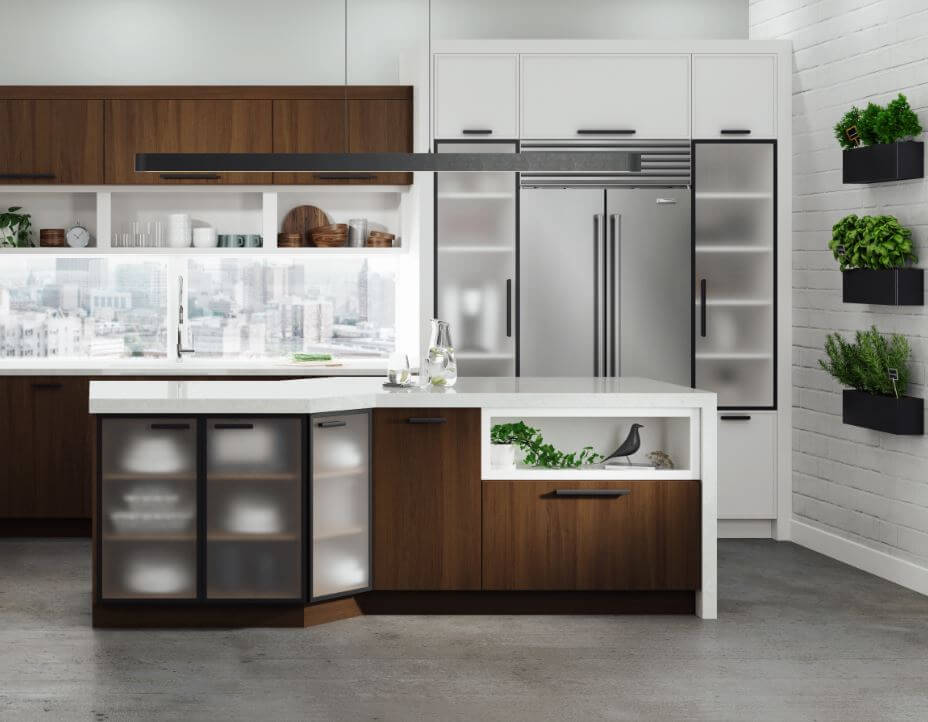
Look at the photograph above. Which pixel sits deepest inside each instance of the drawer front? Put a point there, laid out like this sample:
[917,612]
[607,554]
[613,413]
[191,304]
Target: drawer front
[476,96]
[747,465]
[605,96]
[590,535]
[734,96]
[426,466]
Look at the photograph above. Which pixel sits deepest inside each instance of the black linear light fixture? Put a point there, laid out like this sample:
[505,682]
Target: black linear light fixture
[581,161]
[208,165]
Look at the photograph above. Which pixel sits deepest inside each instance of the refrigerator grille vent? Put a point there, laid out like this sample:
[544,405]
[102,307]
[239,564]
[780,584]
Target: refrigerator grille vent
[663,163]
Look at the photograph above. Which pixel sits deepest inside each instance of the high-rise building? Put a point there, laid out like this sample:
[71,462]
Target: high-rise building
[362,291]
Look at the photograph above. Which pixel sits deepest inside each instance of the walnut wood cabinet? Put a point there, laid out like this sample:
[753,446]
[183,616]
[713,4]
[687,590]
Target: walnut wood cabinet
[586,535]
[353,125]
[45,469]
[90,135]
[51,141]
[184,126]
[426,478]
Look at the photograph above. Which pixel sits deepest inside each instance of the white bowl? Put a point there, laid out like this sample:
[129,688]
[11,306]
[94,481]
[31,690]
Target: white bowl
[204,237]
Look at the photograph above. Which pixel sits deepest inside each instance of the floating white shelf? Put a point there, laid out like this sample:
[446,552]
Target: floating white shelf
[149,251]
[732,195]
[733,249]
[746,356]
[475,249]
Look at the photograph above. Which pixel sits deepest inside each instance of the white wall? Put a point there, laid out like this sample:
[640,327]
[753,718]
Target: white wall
[180,42]
[278,42]
[625,19]
[862,486]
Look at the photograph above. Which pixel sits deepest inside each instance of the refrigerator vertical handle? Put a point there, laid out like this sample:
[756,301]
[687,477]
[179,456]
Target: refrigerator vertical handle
[703,291]
[508,308]
[599,303]
[614,316]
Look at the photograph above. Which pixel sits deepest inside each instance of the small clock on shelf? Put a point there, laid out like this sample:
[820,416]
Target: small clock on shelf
[78,236]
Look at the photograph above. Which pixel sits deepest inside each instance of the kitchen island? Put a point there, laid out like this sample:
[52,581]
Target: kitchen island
[223,503]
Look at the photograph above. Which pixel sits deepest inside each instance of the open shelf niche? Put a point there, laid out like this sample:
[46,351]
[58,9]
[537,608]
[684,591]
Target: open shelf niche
[674,431]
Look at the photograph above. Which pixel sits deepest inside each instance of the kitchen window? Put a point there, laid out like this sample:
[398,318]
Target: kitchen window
[262,307]
[83,307]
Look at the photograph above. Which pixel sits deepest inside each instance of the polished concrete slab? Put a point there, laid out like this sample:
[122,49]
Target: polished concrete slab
[799,637]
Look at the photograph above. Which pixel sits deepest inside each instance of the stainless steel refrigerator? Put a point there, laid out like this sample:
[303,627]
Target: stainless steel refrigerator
[604,271]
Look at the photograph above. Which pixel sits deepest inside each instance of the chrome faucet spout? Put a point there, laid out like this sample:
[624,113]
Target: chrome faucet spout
[181,350]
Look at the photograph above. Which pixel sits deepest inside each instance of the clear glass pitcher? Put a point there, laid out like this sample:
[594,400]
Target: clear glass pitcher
[441,368]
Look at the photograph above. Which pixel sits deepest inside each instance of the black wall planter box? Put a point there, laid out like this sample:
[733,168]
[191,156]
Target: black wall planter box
[885,162]
[887,287]
[905,415]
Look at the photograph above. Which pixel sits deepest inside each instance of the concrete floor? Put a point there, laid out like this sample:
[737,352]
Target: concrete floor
[800,637]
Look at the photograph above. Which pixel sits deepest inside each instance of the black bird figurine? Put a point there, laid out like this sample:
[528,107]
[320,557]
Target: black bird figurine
[628,447]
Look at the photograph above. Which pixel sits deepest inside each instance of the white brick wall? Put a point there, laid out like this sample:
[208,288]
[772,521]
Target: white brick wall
[862,485]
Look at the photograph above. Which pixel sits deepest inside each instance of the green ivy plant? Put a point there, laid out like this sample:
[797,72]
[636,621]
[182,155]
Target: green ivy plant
[876,124]
[15,228]
[864,365]
[871,242]
[536,452]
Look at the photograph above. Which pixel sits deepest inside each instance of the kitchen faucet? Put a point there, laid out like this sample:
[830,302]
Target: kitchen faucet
[180,320]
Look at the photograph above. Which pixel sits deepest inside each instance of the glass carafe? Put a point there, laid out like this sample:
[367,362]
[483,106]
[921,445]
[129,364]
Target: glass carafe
[441,368]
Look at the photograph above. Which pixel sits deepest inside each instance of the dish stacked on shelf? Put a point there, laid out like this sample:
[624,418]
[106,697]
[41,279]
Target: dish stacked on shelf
[289,240]
[380,239]
[333,235]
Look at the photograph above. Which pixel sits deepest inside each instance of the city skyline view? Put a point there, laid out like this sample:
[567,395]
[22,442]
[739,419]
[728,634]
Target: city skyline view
[256,307]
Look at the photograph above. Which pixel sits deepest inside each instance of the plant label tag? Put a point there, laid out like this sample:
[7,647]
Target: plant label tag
[853,135]
[893,374]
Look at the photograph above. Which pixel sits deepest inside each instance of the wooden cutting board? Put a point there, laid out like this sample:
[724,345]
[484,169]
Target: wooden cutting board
[301,219]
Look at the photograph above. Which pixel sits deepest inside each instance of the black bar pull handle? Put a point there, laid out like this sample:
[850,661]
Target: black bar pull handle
[426,420]
[606,493]
[508,308]
[606,131]
[703,292]
[234,426]
[47,385]
[477,131]
[27,176]
[735,417]
[169,427]
[735,131]
[335,176]
[331,424]
[190,176]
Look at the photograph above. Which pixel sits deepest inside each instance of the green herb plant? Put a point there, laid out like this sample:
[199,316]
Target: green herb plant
[18,227]
[864,365]
[876,124]
[301,357]
[536,452]
[873,242]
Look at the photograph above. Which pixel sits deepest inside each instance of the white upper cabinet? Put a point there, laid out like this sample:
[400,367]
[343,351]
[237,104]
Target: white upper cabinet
[733,94]
[475,94]
[606,96]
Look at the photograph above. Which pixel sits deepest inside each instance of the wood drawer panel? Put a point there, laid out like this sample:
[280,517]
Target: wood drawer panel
[648,539]
[426,499]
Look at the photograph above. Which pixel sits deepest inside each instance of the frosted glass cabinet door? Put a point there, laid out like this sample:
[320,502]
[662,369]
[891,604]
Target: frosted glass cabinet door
[475,246]
[148,504]
[341,510]
[735,252]
[254,502]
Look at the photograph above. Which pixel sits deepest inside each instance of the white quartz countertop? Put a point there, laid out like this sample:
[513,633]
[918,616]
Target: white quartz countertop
[192,367]
[305,396]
